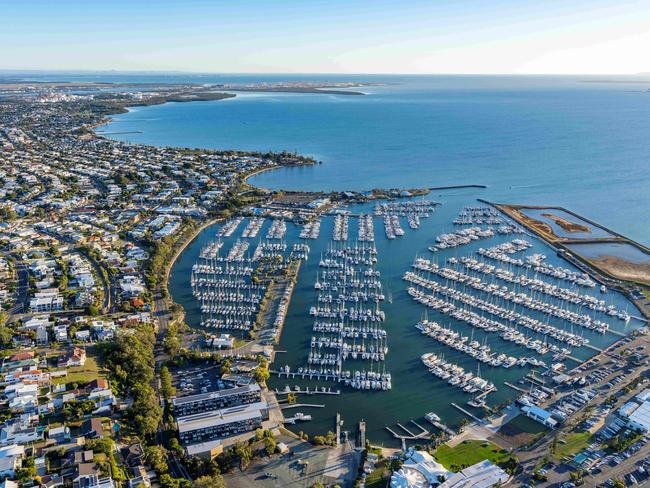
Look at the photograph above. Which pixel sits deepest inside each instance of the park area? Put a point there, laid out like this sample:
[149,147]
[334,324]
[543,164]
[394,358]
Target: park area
[572,444]
[470,452]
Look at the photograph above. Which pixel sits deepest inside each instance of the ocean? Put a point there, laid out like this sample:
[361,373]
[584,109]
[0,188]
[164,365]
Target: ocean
[570,141]
[575,142]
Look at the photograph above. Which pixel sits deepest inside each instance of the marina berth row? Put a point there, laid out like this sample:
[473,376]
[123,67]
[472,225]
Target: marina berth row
[453,295]
[268,249]
[227,229]
[537,285]
[465,236]
[421,208]
[502,292]
[340,231]
[480,216]
[506,332]
[229,289]
[348,331]
[348,319]
[366,228]
[392,226]
[277,230]
[238,250]
[537,264]
[311,230]
[253,227]
[299,251]
[475,349]
[211,250]
[456,376]
[412,210]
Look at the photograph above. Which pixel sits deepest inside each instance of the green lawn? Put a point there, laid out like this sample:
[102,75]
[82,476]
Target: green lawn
[469,452]
[575,442]
[81,374]
[376,479]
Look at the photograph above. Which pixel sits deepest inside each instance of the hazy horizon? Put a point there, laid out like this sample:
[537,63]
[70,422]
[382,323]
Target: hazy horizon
[330,37]
[296,73]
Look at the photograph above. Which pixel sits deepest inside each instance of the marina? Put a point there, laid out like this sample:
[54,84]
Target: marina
[352,321]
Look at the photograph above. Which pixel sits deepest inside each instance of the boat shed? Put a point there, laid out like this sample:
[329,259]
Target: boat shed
[540,415]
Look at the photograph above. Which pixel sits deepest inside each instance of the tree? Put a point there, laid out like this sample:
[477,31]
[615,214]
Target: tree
[6,334]
[261,374]
[166,387]
[130,358]
[214,481]
[75,409]
[175,446]
[172,345]
[166,481]
[270,445]
[618,484]
[146,410]
[244,453]
[28,471]
[156,456]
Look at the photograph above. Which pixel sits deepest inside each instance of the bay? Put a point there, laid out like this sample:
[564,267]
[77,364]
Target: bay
[534,140]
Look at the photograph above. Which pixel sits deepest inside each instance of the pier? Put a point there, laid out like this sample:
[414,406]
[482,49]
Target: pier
[514,387]
[297,405]
[307,376]
[423,434]
[469,414]
[442,427]
[299,391]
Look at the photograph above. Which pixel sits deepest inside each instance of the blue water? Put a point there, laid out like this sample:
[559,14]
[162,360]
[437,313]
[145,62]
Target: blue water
[537,140]
[534,140]
[415,391]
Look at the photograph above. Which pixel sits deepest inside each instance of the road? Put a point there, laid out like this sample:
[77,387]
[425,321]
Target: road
[22,287]
[530,458]
[110,290]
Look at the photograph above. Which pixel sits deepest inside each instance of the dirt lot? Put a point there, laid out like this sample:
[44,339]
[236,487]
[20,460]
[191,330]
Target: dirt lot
[624,270]
[518,432]
[302,467]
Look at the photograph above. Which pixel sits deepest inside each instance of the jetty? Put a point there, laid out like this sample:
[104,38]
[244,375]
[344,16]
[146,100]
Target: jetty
[297,405]
[442,427]
[469,414]
[514,387]
[423,434]
[306,391]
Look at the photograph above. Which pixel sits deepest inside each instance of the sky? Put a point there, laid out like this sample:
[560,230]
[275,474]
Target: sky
[316,36]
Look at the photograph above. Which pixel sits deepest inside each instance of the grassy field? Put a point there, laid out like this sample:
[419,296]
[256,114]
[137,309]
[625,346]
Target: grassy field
[469,452]
[82,374]
[575,442]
